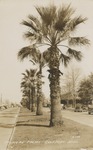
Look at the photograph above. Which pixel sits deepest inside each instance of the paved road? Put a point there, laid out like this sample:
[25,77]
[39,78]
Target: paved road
[7,123]
[80,117]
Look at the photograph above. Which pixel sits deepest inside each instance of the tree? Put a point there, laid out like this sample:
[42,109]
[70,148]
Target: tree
[66,91]
[25,89]
[85,91]
[36,58]
[39,94]
[91,80]
[28,84]
[54,27]
[71,83]
[24,102]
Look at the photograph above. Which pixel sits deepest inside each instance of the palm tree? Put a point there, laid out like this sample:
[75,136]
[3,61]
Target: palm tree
[25,94]
[54,27]
[37,59]
[28,85]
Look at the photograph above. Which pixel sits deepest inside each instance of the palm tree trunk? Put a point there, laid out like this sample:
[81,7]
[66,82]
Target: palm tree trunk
[39,93]
[33,100]
[39,100]
[29,98]
[56,116]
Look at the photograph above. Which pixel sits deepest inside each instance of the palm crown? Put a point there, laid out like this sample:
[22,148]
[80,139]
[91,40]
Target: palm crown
[52,29]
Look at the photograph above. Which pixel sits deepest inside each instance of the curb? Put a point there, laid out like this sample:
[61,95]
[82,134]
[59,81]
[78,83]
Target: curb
[13,130]
[7,125]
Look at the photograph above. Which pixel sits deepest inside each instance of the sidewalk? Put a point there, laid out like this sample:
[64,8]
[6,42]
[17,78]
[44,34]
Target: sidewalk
[7,123]
[33,133]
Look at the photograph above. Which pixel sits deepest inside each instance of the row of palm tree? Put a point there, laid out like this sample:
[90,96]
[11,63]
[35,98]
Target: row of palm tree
[28,87]
[53,28]
[31,86]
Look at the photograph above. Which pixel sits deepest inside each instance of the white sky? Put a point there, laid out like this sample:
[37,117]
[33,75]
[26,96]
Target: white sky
[11,41]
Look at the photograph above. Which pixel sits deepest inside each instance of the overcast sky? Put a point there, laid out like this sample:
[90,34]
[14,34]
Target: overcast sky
[11,41]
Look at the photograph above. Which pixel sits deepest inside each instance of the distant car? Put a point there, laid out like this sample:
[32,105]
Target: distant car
[5,106]
[78,108]
[63,106]
[84,108]
[90,109]
[2,108]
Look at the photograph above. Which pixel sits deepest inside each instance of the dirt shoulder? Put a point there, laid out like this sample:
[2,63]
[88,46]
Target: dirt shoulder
[33,133]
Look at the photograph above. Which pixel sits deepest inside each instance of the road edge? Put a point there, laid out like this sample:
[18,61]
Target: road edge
[13,130]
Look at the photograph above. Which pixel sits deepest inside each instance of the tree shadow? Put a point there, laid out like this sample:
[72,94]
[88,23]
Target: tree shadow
[8,113]
[6,116]
[35,125]
[26,115]
[18,122]
[31,123]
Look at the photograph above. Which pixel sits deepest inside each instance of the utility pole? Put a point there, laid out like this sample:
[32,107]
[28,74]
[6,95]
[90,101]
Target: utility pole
[1,100]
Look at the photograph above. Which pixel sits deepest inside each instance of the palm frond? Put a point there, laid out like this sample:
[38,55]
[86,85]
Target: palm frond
[29,51]
[66,10]
[23,74]
[34,37]
[65,59]
[46,55]
[76,54]
[30,24]
[27,72]
[63,16]
[23,84]
[33,72]
[30,35]
[45,30]
[75,22]
[35,29]
[76,41]
[35,20]
[25,78]
[47,14]
[60,24]
[39,38]
[44,63]
[24,53]
[33,62]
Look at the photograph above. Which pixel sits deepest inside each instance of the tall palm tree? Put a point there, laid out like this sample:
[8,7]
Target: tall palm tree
[28,85]
[25,94]
[37,59]
[54,27]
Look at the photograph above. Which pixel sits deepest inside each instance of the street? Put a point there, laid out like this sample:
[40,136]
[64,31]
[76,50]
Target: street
[7,123]
[80,117]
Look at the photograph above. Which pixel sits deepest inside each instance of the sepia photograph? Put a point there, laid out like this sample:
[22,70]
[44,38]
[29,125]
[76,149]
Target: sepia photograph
[46,75]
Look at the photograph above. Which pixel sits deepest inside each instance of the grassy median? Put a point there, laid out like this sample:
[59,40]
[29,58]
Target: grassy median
[33,133]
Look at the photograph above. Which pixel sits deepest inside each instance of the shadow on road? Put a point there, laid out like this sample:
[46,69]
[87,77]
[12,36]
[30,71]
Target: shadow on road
[26,115]
[36,125]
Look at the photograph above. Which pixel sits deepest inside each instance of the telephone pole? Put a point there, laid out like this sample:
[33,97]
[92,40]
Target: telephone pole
[1,100]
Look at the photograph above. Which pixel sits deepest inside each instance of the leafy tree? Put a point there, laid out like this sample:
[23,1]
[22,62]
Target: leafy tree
[71,83]
[54,28]
[91,80]
[86,90]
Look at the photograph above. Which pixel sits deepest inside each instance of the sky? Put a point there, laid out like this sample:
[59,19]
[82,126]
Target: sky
[11,41]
